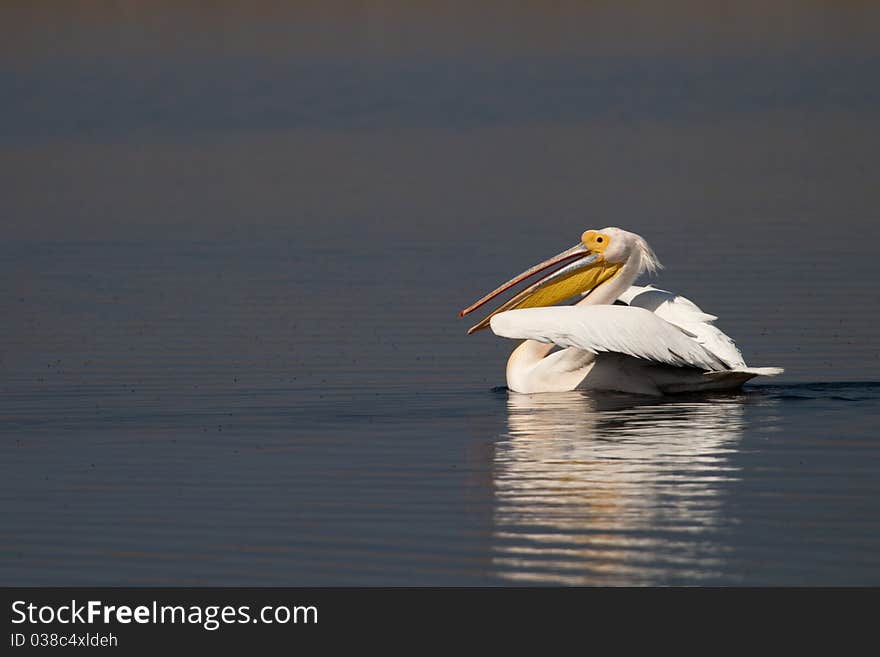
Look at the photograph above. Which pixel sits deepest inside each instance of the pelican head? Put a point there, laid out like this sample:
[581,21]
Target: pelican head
[600,257]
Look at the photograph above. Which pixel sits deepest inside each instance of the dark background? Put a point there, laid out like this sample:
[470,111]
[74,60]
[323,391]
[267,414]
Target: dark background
[236,237]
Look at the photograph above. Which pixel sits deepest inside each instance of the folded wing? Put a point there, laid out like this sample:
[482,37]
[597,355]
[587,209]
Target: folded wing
[632,331]
[685,314]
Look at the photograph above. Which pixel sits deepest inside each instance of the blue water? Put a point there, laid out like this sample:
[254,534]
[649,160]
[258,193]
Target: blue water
[235,246]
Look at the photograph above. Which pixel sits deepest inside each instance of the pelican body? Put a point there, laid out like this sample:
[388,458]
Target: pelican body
[617,335]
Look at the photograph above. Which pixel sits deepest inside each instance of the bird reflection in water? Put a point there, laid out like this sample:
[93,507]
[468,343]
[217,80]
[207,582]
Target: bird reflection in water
[600,489]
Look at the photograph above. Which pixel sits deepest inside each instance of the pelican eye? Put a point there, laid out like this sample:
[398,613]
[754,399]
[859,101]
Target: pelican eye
[600,240]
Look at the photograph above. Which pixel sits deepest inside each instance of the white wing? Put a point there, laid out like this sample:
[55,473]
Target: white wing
[626,330]
[686,315]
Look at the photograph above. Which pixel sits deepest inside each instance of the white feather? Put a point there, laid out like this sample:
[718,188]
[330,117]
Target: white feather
[632,331]
[685,314]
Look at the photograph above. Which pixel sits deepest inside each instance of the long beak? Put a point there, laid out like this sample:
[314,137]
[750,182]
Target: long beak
[578,270]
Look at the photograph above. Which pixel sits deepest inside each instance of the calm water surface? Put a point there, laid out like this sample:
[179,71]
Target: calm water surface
[234,254]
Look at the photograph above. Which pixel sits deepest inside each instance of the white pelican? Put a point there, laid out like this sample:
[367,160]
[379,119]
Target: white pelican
[619,336]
